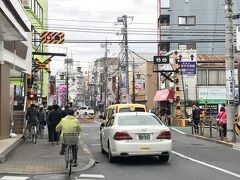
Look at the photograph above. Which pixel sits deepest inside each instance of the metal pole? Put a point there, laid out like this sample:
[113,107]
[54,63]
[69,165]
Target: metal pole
[133,82]
[67,82]
[230,89]
[126,55]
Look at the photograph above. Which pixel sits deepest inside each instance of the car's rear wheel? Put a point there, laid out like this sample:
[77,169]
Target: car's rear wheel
[102,150]
[163,158]
[111,159]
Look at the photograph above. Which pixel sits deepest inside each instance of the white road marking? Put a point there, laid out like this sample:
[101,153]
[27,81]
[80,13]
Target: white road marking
[95,144]
[98,176]
[97,122]
[206,164]
[178,130]
[14,178]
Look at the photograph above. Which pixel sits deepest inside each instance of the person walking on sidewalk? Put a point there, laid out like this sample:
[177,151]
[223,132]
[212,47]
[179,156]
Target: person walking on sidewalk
[69,124]
[32,117]
[54,118]
[222,122]
[196,118]
[42,121]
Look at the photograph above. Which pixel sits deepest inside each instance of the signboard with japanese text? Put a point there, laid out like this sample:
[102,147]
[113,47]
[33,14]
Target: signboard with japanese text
[212,95]
[187,62]
[187,68]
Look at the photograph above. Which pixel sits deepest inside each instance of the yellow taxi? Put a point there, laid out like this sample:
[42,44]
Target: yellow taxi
[118,108]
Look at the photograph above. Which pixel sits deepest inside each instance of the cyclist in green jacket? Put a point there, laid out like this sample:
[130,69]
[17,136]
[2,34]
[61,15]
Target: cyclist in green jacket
[69,124]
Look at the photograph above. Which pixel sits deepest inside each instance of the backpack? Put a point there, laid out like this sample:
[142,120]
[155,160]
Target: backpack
[55,118]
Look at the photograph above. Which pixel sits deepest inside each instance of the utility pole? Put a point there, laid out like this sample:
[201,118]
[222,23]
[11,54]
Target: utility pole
[230,85]
[133,82]
[105,45]
[67,81]
[123,19]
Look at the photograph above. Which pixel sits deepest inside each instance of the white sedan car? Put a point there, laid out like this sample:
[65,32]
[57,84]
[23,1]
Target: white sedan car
[135,134]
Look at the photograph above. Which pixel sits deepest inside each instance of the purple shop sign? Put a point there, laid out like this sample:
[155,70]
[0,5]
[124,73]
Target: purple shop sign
[187,68]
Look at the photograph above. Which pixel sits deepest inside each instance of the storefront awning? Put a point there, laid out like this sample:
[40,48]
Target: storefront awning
[164,95]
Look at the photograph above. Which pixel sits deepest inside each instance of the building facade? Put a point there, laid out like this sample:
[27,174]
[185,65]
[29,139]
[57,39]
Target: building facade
[15,59]
[197,26]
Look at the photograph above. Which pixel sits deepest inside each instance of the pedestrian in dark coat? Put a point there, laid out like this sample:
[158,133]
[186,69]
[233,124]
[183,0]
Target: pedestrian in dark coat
[54,118]
[196,118]
[49,110]
[42,121]
[32,116]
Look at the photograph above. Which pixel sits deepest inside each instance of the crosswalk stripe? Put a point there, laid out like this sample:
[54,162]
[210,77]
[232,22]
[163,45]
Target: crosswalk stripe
[13,178]
[98,176]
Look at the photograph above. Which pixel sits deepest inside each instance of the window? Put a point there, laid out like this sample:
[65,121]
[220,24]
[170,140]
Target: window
[165,3]
[164,47]
[187,20]
[202,77]
[36,37]
[164,20]
[216,77]
[37,9]
[211,77]
[188,46]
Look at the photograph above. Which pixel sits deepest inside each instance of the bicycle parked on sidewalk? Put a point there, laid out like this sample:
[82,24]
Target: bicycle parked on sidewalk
[70,140]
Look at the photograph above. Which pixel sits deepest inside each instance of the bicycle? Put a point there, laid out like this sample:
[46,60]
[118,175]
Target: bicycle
[69,139]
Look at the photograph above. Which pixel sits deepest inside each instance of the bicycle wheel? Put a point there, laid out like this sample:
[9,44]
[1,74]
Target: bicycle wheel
[70,161]
[34,138]
[67,156]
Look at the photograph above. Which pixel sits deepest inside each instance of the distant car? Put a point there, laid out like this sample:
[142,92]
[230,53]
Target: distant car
[135,134]
[85,110]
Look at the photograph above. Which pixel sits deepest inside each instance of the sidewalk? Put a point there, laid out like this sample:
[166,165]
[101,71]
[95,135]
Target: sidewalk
[206,136]
[43,157]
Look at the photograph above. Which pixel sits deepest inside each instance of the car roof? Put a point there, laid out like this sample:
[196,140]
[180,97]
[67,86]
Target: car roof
[126,105]
[133,113]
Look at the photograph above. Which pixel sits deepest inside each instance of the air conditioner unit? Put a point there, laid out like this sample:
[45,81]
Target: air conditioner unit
[26,3]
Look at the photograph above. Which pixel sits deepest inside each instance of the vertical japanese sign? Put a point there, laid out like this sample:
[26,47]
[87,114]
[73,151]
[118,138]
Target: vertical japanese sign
[187,62]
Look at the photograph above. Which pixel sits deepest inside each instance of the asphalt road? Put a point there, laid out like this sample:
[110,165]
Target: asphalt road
[191,159]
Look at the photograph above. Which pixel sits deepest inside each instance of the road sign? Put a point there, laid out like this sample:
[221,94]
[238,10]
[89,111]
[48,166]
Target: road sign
[161,59]
[52,37]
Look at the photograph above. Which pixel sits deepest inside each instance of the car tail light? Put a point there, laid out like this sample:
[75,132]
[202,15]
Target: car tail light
[164,135]
[122,136]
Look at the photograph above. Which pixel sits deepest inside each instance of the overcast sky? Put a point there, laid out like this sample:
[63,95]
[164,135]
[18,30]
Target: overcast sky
[75,17]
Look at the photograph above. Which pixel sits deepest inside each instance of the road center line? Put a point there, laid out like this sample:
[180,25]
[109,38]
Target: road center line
[206,164]
[178,130]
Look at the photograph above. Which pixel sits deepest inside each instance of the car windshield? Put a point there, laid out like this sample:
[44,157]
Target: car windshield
[135,109]
[138,120]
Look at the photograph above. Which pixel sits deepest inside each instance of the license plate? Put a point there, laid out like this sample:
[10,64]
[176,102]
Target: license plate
[144,136]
